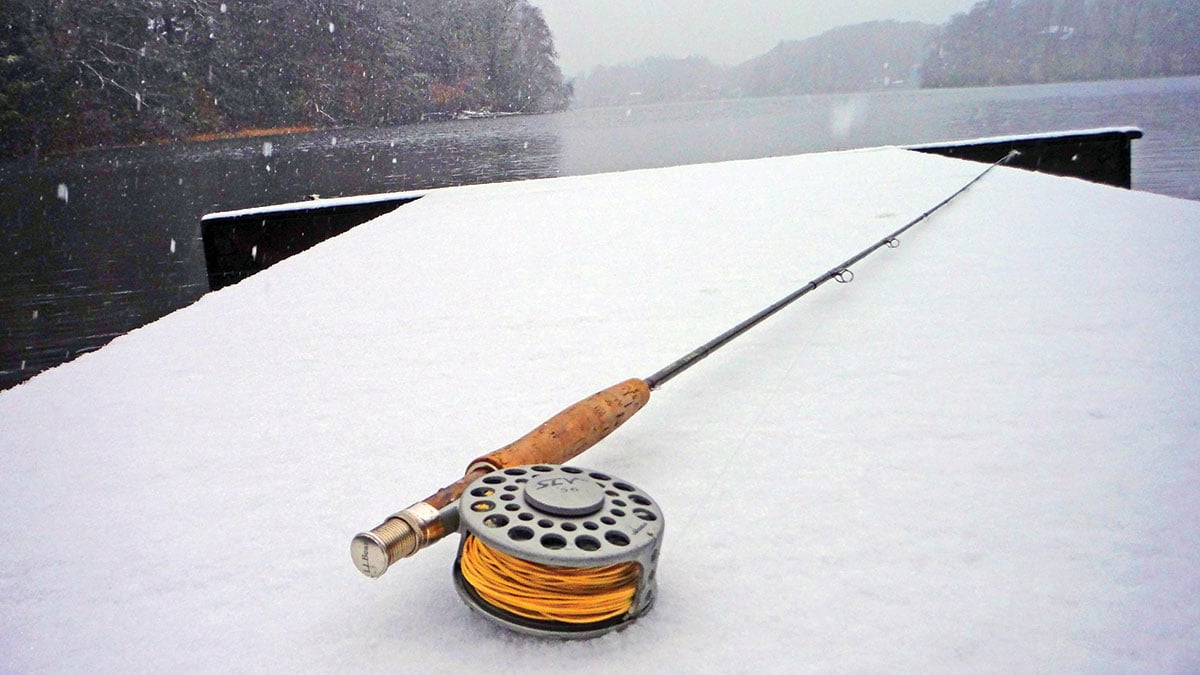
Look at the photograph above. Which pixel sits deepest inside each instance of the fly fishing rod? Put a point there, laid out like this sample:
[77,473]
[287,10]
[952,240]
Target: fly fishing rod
[522,483]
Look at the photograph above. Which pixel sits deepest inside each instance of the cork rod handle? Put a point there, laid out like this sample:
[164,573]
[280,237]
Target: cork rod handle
[573,430]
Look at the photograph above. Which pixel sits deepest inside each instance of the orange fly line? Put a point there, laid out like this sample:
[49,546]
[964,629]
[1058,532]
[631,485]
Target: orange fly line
[578,595]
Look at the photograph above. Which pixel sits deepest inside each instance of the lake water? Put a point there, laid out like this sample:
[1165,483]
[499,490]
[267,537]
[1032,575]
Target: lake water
[98,243]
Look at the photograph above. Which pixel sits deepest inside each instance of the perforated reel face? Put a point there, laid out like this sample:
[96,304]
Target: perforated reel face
[564,516]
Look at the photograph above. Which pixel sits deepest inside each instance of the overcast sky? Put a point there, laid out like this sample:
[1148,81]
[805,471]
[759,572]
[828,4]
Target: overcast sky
[594,32]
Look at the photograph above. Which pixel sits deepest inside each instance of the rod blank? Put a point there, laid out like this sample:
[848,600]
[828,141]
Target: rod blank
[663,376]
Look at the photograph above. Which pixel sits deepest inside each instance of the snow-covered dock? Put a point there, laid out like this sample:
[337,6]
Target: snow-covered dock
[983,454]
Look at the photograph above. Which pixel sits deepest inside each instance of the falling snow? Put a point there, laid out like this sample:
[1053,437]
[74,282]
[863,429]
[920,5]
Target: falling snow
[973,458]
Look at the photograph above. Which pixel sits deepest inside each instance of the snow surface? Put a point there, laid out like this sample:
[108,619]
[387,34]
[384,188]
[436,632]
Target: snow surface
[981,455]
[311,204]
[1136,132]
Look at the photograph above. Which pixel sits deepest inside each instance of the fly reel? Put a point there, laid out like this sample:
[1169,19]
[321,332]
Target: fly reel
[557,551]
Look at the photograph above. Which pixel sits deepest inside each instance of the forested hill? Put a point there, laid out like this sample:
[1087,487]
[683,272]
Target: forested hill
[1032,41]
[862,57]
[866,56]
[997,42]
[77,73]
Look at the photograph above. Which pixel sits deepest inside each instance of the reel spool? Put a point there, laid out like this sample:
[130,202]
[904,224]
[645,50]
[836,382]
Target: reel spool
[557,551]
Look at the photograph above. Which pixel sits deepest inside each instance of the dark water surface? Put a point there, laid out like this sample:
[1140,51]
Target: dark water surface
[97,243]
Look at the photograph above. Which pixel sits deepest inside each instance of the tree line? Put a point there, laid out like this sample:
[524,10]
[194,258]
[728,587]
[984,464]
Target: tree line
[1003,42]
[874,55]
[998,42]
[79,73]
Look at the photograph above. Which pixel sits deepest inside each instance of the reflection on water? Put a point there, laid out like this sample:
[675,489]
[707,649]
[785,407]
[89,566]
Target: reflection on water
[124,247]
[98,243]
[1165,161]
